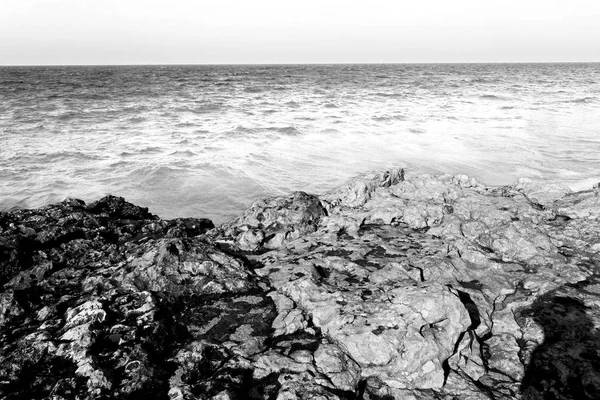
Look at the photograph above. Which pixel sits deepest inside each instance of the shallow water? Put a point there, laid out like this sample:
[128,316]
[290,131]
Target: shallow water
[206,141]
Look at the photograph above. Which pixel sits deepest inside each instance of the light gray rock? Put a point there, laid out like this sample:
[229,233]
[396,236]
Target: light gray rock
[357,191]
[272,222]
[343,372]
[541,192]
[289,319]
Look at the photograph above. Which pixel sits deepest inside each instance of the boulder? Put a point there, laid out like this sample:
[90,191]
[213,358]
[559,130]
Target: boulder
[271,223]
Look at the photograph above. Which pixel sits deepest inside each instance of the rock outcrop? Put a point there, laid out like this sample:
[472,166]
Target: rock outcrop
[389,287]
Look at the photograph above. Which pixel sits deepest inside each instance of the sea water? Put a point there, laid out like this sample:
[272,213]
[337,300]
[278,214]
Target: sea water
[205,141]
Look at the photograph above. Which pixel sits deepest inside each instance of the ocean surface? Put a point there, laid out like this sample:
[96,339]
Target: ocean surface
[205,141]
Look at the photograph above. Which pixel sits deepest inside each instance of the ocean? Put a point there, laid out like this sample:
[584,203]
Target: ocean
[205,141]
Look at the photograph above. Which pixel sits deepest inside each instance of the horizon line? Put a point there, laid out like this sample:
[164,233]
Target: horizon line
[299,63]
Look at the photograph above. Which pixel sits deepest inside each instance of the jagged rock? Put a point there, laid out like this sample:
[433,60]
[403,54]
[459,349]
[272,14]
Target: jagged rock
[116,207]
[582,205]
[389,287]
[357,191]
[272,222]
[289,319]
[343,371]
[541,192]
[401,334]
[101,296]
[497,246]
[177,266]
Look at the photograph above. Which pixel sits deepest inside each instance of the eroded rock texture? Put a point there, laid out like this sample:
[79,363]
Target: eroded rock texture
[389,287]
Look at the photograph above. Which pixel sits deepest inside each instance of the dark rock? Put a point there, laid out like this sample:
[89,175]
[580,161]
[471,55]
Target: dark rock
[566,365]
[117,207]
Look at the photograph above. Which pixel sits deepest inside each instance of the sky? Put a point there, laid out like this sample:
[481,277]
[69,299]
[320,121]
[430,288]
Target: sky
[59,32]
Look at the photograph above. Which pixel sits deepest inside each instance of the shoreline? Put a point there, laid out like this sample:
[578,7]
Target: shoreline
[389,286]
[568,185]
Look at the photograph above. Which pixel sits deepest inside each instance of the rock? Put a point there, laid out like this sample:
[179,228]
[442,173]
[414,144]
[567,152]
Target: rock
[392,286]
[357,191]
[270,223]
[581,205]
[343,372]
[180,266]
[395,339]
[188,227]
[540,192]
[289,319]
[564,362]
[102,296]
[117,207]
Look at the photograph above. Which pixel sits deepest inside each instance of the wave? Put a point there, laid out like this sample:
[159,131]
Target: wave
[71,156]
[47,107]
[240,131]
[151,149]
[91,96]
[185,124]
[146,150]
[383,118]
[588,99]
[120,164]
[204,109]
[134,109]
[212,148]
[492,97]
[254,89]
[69,116]
[286,130]
[11,82]
[383,94]
[187,153]
[153,175]
[136,120]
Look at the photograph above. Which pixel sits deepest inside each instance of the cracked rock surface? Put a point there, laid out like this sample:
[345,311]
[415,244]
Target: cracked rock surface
[388,287]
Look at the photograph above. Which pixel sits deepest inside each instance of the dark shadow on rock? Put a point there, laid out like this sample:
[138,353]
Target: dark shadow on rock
[567,364]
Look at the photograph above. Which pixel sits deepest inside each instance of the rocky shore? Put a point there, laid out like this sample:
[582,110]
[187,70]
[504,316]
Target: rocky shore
[389,287]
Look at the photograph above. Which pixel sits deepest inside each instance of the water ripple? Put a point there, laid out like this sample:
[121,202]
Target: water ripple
[208,140]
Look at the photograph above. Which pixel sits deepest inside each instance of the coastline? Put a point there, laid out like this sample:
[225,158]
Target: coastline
[390,286]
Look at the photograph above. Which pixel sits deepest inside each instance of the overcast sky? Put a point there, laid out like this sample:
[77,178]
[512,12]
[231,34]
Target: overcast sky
[303,31]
